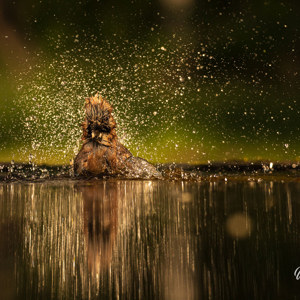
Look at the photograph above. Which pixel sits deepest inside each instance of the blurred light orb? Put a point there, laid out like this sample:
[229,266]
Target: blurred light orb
[177,4]
[239,225]
[186,197]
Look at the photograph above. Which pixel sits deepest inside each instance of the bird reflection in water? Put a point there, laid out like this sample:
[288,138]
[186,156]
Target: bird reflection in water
[100,205]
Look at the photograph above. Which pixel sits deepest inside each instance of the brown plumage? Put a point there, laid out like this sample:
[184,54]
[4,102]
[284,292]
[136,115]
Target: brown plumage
[101,153]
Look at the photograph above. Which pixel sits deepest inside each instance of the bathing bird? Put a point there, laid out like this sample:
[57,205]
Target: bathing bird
[101,153]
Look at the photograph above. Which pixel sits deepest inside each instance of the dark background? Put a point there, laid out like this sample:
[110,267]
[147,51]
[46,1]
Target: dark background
[191,81]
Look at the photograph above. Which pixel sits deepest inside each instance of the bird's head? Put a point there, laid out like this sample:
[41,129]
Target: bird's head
[99,123]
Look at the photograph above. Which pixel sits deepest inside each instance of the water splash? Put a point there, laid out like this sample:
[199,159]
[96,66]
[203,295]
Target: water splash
[178,96]
[214,172]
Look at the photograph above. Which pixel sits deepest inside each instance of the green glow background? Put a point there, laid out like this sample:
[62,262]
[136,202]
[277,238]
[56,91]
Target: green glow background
[191,81]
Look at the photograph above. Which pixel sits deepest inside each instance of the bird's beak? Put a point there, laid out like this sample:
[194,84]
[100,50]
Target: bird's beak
[96,134]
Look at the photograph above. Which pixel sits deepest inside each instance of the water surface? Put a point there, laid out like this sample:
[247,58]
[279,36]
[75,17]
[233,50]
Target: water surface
[122,239]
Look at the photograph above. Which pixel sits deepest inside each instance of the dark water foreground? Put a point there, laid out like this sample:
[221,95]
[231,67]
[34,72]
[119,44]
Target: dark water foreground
[163,239]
